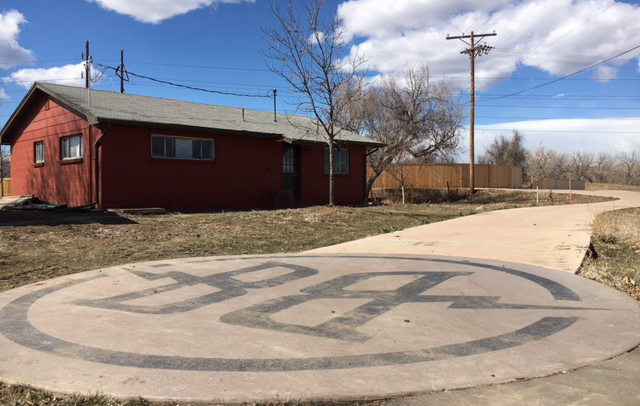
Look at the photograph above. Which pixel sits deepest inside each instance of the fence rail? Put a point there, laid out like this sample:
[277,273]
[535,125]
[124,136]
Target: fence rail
[455,176]
[5,190]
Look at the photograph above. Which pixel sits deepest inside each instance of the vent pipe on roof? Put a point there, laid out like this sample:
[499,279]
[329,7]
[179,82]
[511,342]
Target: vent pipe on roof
[243,114]
[275,105]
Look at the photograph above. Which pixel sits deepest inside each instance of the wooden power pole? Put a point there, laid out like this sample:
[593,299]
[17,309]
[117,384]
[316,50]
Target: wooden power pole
[87,68]
[473,51]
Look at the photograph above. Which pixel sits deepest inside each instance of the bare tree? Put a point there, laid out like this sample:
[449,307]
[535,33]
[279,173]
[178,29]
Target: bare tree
[427,114]
[539,163]
[400,171]
[558,165]
[630,166]
[581,164]
[417,121]
[309,52]
[603,168]
[506,151]
[370,115]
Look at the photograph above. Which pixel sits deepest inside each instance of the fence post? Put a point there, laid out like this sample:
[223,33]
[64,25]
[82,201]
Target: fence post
[570,190]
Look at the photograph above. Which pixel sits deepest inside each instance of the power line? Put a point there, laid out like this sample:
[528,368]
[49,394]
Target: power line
[560,107]
[538,118]
[561,131]
[578,27]
[166,82]
[569,75]
[198,66]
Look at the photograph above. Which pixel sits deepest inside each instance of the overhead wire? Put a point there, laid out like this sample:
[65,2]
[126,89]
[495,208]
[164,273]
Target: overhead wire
[567,76]
[569,32]
[166,82]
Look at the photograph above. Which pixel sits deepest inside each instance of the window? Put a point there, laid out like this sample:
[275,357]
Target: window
[340,161]
[38,148]
[71,147]
[182,148]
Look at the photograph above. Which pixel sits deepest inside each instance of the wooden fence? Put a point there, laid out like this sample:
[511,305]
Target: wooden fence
[555,183]
[6,183]
[455,176]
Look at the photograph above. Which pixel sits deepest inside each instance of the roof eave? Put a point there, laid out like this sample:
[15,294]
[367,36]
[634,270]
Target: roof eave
[181,127]
[91,118]
[16,112]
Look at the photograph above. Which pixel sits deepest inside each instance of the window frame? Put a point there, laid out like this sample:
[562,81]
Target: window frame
[66,148]
[171,148]
[38,145]
[339,154]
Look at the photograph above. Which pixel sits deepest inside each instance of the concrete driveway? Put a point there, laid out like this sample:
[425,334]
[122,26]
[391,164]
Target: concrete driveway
[432,308]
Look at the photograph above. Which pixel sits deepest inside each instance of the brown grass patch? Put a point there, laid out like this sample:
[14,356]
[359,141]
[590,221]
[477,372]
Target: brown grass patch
[616,239]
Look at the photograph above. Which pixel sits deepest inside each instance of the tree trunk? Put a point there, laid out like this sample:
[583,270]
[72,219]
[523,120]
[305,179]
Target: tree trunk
[370,181]
[331,175]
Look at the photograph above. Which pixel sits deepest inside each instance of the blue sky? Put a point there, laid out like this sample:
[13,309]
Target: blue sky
[216,45]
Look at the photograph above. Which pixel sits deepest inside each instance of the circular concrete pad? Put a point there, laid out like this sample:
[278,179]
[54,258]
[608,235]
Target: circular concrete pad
[306,327]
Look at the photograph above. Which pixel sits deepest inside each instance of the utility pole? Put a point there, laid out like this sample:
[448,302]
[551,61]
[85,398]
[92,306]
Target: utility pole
[87,68]
[121,72]
[473,51]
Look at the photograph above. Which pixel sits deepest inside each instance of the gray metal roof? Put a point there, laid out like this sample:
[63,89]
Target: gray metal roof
[111,107]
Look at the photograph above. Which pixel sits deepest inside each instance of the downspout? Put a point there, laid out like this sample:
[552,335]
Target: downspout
[96,163]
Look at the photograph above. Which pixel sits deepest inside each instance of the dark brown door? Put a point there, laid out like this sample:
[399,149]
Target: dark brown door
[291,170]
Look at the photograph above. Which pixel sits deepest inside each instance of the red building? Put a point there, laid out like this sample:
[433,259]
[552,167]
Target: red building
[114,150]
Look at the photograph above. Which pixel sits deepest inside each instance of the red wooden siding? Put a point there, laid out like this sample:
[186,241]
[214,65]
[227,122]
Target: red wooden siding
[349,189]
[245,174]
[52,181]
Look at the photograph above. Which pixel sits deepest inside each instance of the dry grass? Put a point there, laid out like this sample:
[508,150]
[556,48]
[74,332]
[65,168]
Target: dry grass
[41,245]
[616,239]
[611,186]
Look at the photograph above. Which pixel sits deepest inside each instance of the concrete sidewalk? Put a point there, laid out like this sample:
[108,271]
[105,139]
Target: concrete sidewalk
[554,237]
[544,236]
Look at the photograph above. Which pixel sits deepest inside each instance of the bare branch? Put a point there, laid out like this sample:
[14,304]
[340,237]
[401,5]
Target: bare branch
[309,53]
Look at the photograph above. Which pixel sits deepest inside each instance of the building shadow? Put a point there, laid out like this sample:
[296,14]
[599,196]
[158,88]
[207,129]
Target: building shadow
[22,218]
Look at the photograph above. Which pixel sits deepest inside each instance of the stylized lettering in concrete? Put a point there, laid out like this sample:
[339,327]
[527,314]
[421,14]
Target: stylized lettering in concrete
[225,282]
[15,325]
[344,327]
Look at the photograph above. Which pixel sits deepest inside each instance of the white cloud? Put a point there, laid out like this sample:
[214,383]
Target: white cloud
[66,75]
[568,135]
[4,95]
[11,53]
[605,73]
[536,33]
[155,11]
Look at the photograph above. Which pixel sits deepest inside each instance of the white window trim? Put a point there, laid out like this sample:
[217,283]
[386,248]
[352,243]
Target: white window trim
[63,140]
[213,148]
[35,152]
